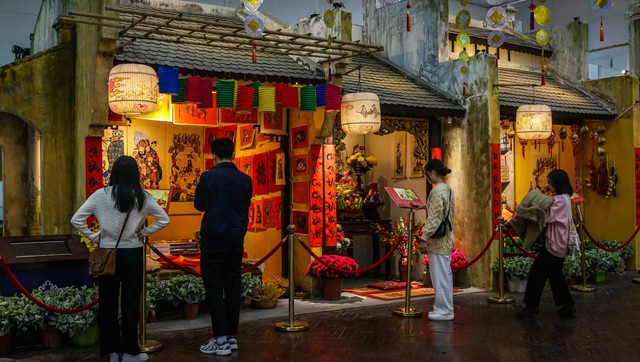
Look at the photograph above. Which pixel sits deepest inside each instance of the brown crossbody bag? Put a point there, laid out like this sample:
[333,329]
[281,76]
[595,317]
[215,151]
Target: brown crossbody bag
[102,261]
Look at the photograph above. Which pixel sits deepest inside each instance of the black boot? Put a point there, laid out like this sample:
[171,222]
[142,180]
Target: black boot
[528,312]
[567,311]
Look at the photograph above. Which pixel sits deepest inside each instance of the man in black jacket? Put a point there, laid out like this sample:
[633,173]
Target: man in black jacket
[224,194]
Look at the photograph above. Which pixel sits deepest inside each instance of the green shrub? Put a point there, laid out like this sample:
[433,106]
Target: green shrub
[515,267]
[188,288]
[601,261]
[250,284]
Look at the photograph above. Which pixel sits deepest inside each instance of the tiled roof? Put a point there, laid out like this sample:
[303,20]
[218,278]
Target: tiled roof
[479,36]
[567,101]
[218,62]
[400,93]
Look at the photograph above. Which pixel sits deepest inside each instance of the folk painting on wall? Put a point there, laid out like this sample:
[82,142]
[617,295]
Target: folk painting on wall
[185,152]
[399,154]
[146,143]
[113,146]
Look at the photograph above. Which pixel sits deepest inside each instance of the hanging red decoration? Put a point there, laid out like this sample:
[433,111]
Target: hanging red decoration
[523,143]
[543,80]
[464,89]
[563,136]
[532,23]
[594,140]
[601,29]
[408,17]
[551,142]
[254,57]
[329,63]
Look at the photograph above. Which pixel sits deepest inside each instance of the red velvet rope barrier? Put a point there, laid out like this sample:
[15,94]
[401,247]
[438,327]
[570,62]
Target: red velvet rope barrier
[486,247]
[377,264]
[35,300]
[245,270]
[526,253]
[611,250]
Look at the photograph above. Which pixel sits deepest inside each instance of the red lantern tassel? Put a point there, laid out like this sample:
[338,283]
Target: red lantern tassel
[543,81]
[254,57]
[601,29]
[523,148]
[464,89]
[532,24]
[408,17]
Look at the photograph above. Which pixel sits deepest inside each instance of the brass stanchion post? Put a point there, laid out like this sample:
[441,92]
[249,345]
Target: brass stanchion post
[407,311]
[291,325]
[501,298]
[146,345]
[582,288]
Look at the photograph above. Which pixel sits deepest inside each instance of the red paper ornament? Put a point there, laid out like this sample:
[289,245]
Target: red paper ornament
[601,29]
[532,7]
[523,143]
[408,17]
[254,58]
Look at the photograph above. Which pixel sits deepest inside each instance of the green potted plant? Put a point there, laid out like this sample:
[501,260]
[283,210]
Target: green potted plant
[250,283]
[189,289]
[157,290]
[82,327]
[601,262]
[572,268]
[6,324]
[28,317]
[266,296]
[516,270]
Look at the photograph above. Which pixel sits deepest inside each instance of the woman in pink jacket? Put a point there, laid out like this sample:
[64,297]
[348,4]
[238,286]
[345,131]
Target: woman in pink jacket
[550,260]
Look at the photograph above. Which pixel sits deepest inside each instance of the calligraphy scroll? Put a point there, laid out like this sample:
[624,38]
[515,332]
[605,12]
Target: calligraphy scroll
[277,212]
[496,185]
[272,166]
[330,211]
[316,205]
[260,174]
[93,164]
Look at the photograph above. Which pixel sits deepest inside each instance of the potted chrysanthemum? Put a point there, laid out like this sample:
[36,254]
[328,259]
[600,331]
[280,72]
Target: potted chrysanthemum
[331,276]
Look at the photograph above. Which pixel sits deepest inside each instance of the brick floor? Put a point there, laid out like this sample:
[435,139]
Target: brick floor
[606,330]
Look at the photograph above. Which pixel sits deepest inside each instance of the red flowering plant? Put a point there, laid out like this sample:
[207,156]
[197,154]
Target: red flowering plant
[340,262]
[458,260]
[400,231]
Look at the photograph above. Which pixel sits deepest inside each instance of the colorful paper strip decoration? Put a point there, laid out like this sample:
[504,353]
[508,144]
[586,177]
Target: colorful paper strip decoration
[225,94]
[308,98]
[182,88]
[267,99]
[168,80]
[206,96]
[290,97]
[321,95]
[332,97]
[256,97]
[245,99]
[192,94]
[280,89]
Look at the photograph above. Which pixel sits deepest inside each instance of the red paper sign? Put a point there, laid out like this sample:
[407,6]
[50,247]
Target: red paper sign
[272,165]
[229,115]
[258,216]
[637,163]
[300,137]
[93,164]
[496,185]
[330,211]
[260,175]
[190,115]
[277,212]
[300,165]
[267,209]
[301,222]
[252,213]
[300,192]
[436,152]
[246,165]
[316,207]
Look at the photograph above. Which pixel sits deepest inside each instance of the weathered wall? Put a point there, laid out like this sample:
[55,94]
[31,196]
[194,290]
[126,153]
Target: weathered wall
[622,135]
[39,91]
[570,58]
[634,39]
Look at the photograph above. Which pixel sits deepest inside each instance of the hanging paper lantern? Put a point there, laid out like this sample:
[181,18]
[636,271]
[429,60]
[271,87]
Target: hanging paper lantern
[168,80]
[464,69]
[133,89]
[332,97]
[463,40]
[542,37]
[496,39]
[290,97]
[329,18]
[463,19]
[321,94]
[253,25]
[192,94]
[494,2]
[245,99]
[542,15]
[496,17]
[252,5]
[206,96]
[280,89]
[602,5]
[225,93]
[360,113]
[267,99]
[256,97]
[533,122]
[308,98]
[182,89]
[463,56]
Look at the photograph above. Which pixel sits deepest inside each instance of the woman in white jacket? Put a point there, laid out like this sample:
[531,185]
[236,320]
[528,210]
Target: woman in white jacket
[124,197]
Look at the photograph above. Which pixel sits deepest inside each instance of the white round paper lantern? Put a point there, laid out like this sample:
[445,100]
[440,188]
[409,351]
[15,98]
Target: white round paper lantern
[360,113]
[133,89]
[533,122]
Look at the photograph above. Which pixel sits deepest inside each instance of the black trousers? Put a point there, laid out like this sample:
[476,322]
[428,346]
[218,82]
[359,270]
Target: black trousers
[547,266]
[221,266]
[116,337]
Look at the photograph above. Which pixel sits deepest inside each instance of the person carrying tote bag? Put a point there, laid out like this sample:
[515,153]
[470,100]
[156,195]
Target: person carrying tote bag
[124,199]
[440,208]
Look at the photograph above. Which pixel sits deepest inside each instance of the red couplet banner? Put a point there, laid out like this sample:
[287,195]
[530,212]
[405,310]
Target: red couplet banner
[637,166]
[496,185]
[93,164]
[316,202]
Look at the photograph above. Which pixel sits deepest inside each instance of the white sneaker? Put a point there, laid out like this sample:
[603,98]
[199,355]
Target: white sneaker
[212,347]
[233,343]
[114,357]
[140,357]
[440,317]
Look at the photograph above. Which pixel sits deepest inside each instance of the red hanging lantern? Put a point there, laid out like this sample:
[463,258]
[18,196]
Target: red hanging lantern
[245,99]
[291,97]
[206,96]
[408,17]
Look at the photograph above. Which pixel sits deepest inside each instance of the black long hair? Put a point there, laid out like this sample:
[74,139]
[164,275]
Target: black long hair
[125,181]
[438,166]
[559,179]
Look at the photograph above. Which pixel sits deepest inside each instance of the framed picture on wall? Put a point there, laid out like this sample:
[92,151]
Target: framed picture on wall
[301,222]
[273,122]
[415,163]
[247,136]
[399,153]
[300,192]
[300,137]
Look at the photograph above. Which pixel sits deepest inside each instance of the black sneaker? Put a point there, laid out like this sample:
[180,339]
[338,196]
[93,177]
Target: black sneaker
[567,311]
[528,312]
